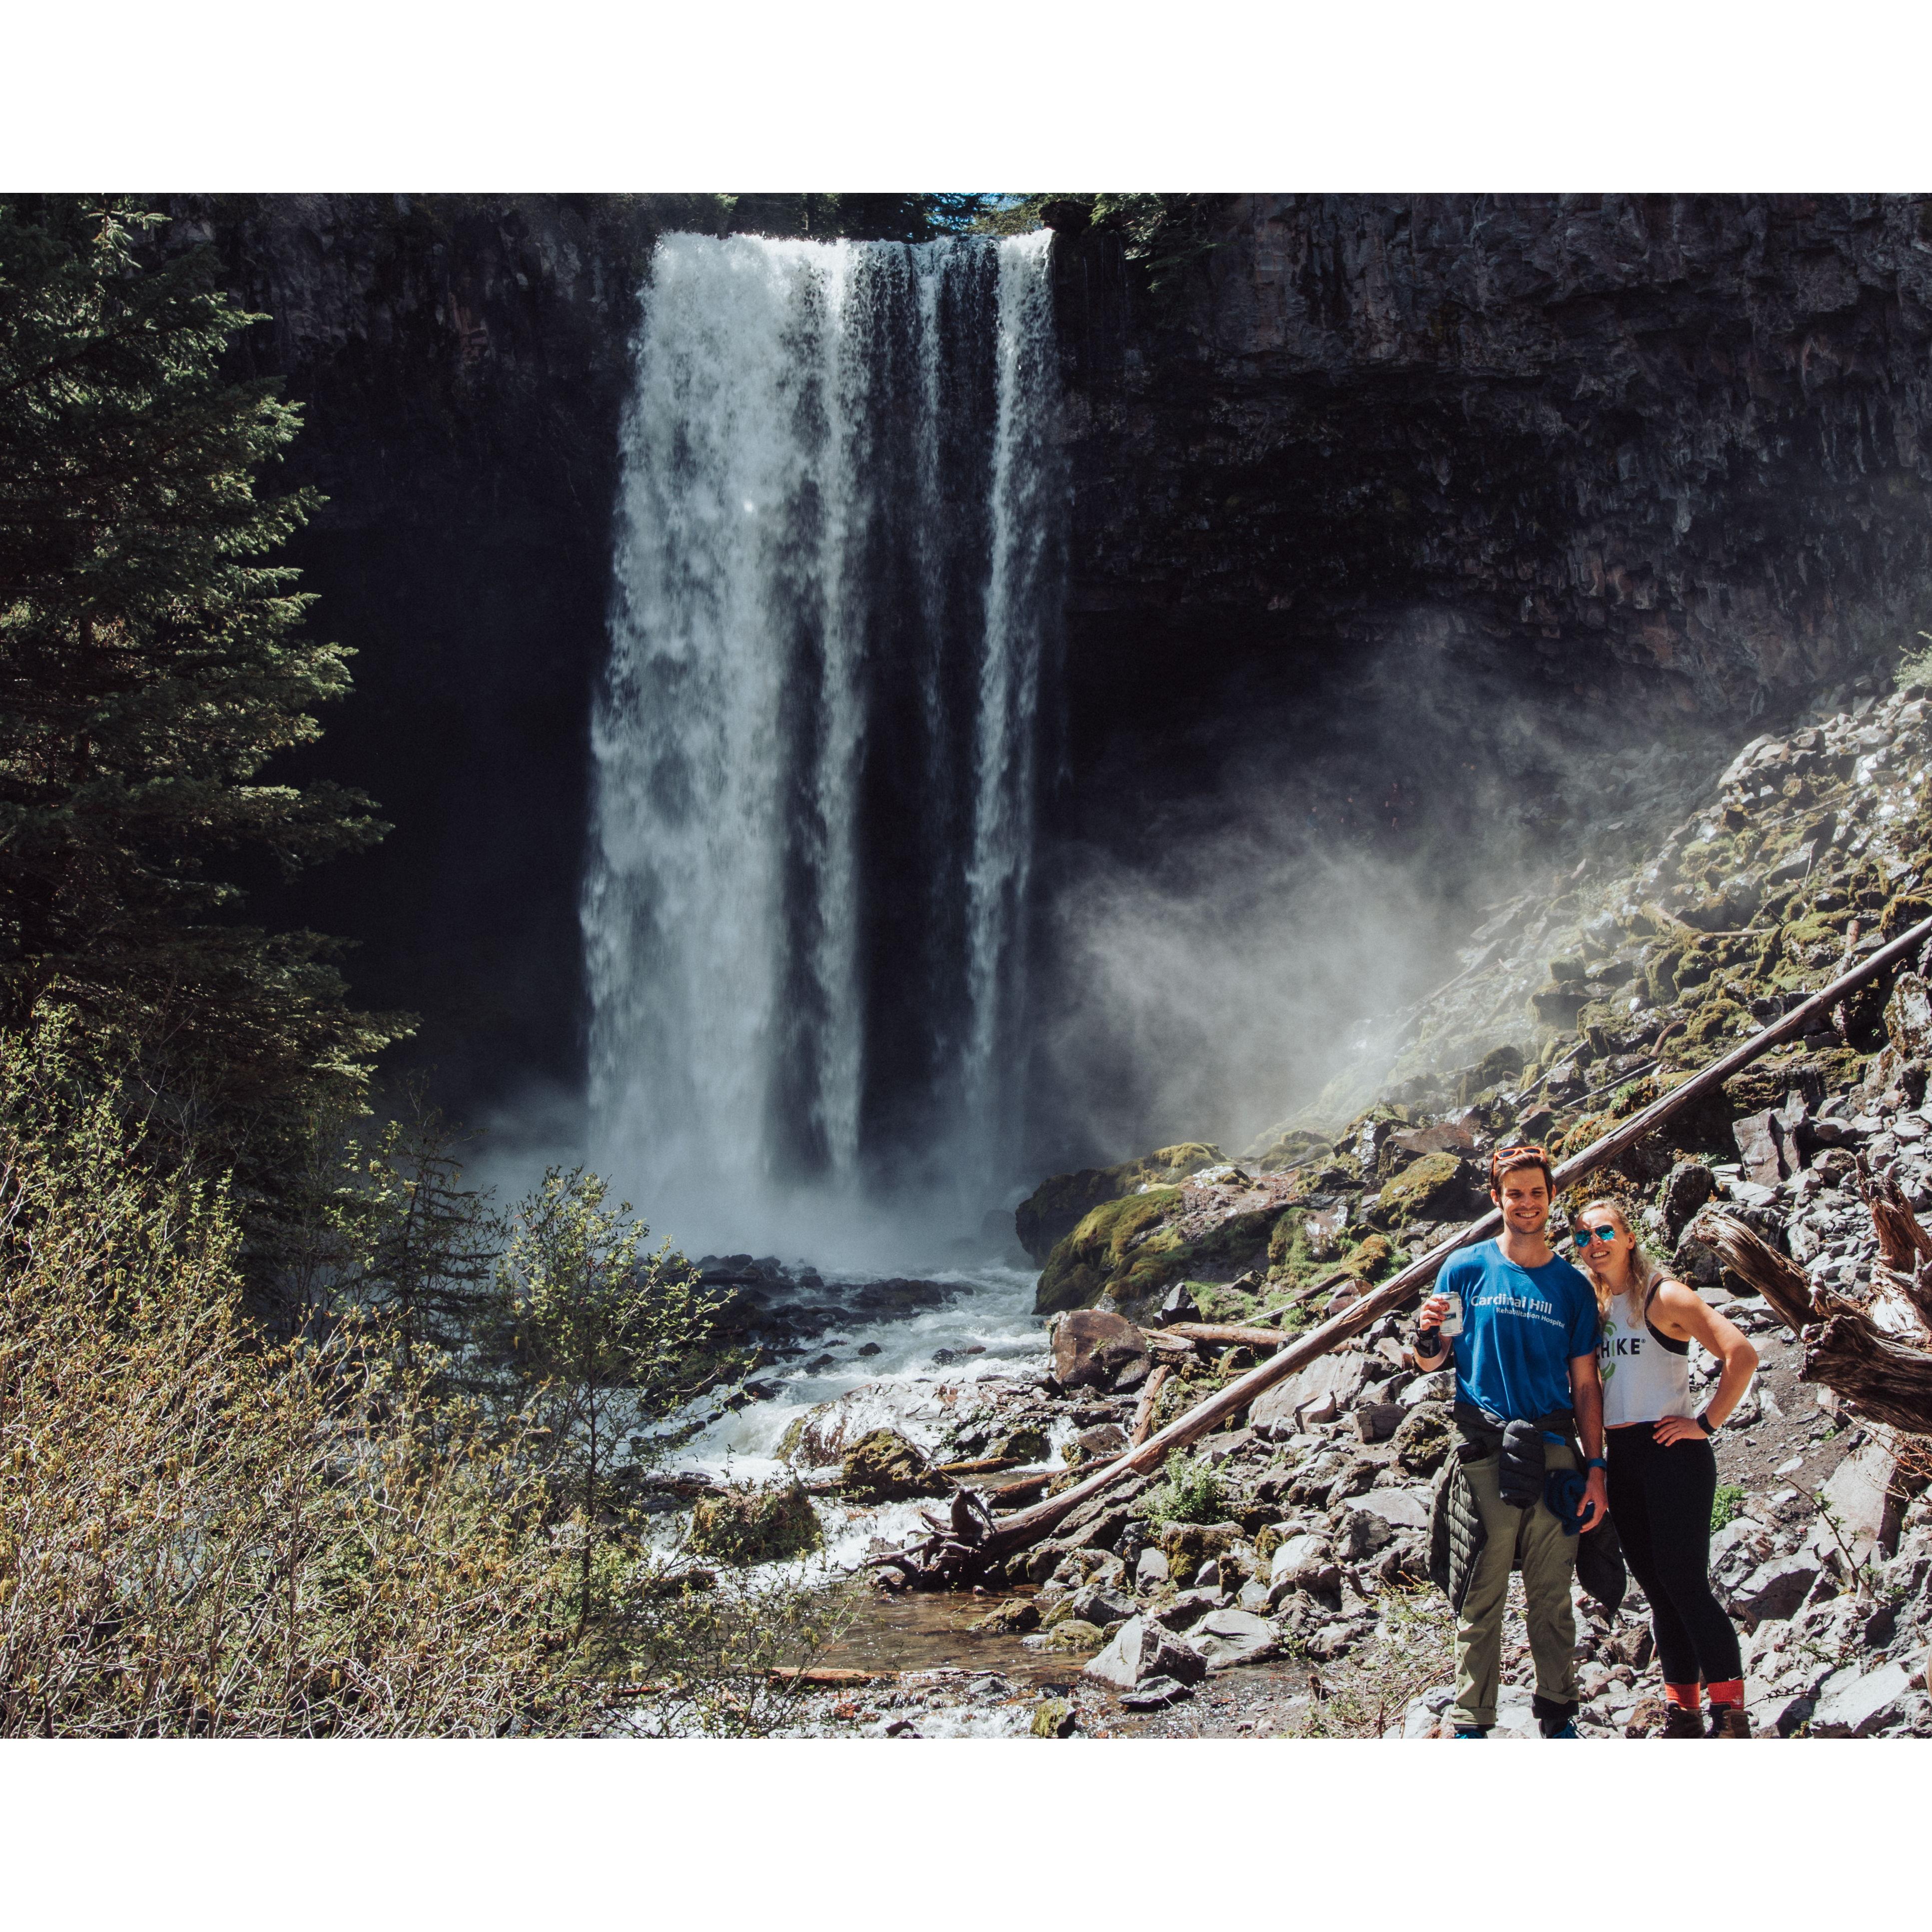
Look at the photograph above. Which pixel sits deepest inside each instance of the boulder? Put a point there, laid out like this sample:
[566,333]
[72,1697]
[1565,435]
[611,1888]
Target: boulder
[1058,1205]
[1305,1552]
[1861,1493]
[1072,1637]
[1360,1533]
[1053,1718]
[1435,1187]
[1149,1570]
[1908,1017]
[1228,1637]
[1400,1509]
[1141,1650]
[1854,1702]
[1375,1421]
[1008,1619]
[1094,1349]
[1685,1190]
[1156,1694]
[1339,1378]
[1103,1440]
[884,1467]
[1423,1439]
[1102,1603]
[1774,1589]
[755,1525]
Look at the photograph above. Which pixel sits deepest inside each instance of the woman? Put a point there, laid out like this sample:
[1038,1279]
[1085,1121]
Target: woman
[1663,1473]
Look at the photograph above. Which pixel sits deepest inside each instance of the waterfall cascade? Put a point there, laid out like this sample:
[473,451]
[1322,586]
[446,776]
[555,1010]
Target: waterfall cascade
[836,602]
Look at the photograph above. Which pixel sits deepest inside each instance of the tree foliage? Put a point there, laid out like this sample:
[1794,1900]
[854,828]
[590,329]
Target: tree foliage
[152,661]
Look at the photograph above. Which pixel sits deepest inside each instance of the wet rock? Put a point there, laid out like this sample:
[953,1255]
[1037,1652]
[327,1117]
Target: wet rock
[884,1467]
[1072,1637]
[1025,1445]
[1094,1349]
[1436,1187]
[752,1526]
[1059,1204]
[1011,1618]
[1105,1439]
[1053,1717]
[1141,1650]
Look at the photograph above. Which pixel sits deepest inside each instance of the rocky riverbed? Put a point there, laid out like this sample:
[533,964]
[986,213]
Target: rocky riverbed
[1276,1581]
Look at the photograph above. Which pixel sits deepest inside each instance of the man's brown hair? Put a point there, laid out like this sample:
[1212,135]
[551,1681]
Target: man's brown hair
[1515,1159]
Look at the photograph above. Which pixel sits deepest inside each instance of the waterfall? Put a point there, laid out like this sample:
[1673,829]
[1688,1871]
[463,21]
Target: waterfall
[835,600]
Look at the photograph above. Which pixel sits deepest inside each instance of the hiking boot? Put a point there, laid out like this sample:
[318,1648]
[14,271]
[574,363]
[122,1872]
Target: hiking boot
[1683,1722]
[1729,1721]
[1551,1728]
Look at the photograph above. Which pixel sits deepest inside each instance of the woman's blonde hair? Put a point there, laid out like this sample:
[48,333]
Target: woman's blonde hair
[1642,1273]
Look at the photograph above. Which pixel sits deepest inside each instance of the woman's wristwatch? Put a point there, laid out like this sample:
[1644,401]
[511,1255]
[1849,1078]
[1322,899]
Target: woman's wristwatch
[1705,1423]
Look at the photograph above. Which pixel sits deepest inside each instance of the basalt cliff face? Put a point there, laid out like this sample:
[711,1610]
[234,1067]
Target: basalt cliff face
[1685,436]
[1363,467]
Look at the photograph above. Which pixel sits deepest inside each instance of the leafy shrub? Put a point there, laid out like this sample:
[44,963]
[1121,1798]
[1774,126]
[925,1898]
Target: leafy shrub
[1725,1504]
[1190,1491]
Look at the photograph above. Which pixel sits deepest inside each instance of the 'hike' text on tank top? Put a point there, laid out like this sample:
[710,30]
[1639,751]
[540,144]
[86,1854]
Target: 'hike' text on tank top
[1646,1376]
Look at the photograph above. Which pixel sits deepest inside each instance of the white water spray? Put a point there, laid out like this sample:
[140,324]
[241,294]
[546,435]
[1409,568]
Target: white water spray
[836,597]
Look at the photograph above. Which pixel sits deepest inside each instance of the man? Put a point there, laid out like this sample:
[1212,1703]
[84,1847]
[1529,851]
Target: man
[1525,1376]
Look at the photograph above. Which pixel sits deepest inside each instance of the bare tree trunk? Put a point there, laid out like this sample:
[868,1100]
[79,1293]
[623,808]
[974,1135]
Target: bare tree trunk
[1890,1382]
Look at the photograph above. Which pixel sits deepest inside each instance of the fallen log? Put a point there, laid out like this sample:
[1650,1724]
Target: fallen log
[830,1676]
[1143,1411]
[983,1466]
[1027,1525]
[1230,1332]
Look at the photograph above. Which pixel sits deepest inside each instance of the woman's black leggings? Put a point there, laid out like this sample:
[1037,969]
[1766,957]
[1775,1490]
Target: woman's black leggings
[1660,1498]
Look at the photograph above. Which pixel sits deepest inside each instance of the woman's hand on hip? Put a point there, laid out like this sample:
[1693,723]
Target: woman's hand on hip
[1679,1428]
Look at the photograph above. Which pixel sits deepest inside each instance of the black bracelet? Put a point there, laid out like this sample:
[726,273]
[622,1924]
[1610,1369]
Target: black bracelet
[1428,1341]
[1705,1423]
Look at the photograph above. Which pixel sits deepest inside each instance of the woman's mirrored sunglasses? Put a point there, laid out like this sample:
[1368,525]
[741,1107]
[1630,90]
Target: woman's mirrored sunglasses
[1581,1236]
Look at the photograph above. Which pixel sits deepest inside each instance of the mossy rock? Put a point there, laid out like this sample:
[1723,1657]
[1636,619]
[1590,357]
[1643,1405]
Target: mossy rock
[1073,1636]
[1372,1256]
[883,1467]
[1423,1439]
[751,1525]
[1025,1445]
[1059,1204]
[1286,1150]
[1436,1187]
[1128,1250]
[1008,1619]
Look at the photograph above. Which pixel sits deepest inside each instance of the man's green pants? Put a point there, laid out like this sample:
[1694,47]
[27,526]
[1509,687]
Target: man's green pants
[1531,1540]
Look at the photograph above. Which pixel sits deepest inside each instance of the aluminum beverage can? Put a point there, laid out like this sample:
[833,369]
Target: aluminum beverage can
[1452,1322]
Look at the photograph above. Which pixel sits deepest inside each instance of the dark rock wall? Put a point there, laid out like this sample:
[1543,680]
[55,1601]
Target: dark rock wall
[1663,457]
[1675,442]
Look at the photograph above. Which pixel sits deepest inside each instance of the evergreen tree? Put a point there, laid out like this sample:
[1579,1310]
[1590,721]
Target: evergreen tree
[152,662]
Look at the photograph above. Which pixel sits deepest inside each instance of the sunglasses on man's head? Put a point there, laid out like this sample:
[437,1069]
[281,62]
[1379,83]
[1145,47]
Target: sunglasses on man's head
[1528,1151]
[1582,1236]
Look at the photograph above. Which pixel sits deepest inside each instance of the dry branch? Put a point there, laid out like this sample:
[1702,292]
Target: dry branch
[1782,1283]
[1231,1333]
[1891,1382]
[1027,1525]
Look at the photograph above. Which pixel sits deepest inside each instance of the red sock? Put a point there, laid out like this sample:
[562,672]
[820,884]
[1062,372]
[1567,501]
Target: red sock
[1731,1691]
[1685,1697]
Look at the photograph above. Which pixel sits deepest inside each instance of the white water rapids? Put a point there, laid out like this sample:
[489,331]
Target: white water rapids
[814,755]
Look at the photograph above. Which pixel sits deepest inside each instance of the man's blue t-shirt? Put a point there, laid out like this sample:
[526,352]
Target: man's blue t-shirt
[1520,1328]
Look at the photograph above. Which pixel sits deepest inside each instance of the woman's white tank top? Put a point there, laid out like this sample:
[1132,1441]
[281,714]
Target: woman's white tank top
[1646,1376]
